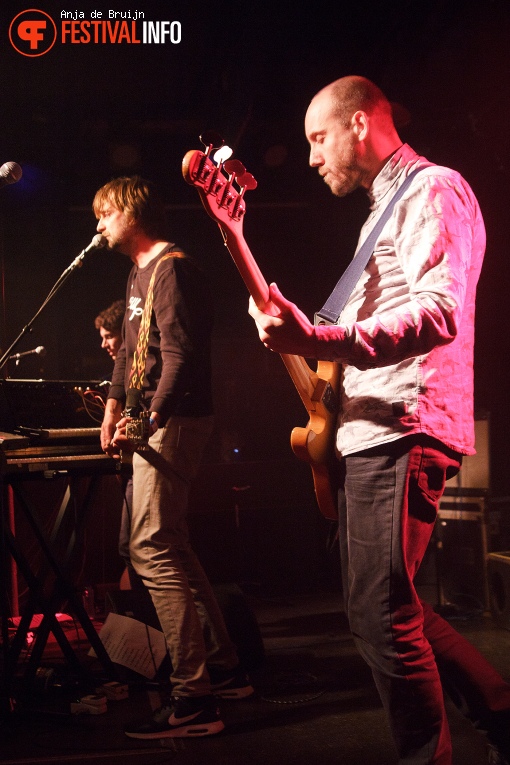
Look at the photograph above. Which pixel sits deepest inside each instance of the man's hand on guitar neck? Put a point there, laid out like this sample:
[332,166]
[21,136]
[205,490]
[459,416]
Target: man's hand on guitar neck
[289,331]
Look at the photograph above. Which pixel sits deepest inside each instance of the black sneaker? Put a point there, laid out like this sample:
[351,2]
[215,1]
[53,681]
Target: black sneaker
[233,684]
[187,717]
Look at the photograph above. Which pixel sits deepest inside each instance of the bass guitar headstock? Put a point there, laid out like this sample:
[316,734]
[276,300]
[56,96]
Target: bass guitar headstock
[220,181]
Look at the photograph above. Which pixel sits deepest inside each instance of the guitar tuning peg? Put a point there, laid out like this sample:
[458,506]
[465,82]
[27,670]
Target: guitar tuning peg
[222,155]
[247,182]
[234,167]
[211,140]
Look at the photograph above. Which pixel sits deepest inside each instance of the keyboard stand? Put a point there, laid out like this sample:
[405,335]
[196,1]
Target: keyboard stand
[49,581]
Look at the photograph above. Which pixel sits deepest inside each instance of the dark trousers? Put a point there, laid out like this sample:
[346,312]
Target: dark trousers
[387,513]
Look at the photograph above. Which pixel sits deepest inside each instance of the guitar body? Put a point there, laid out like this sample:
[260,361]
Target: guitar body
[315,443]
[318,390]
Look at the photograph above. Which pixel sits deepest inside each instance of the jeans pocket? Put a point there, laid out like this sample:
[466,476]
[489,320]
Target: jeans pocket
[429,480]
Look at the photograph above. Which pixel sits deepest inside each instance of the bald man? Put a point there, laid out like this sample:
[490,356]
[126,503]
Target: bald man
[404,341]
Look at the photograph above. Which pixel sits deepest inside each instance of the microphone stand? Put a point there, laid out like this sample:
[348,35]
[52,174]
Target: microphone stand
[77,263]
[6,700]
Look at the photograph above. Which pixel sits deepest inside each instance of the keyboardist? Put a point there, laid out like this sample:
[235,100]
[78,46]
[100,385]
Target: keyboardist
[109,323]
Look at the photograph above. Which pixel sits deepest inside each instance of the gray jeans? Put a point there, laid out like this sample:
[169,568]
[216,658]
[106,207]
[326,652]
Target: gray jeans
[161,554]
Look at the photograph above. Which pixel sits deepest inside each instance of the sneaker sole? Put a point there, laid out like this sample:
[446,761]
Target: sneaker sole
[234,693]
[185,731]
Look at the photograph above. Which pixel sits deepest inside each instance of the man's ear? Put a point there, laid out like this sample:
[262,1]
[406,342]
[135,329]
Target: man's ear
[359,122]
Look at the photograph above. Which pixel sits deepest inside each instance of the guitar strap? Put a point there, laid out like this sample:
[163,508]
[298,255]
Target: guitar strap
[335,304]
[137,373]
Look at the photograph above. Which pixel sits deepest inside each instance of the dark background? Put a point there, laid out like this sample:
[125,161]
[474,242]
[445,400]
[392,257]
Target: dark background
[83,114]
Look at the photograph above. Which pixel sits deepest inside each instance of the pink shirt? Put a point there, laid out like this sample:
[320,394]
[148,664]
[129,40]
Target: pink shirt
[405,338]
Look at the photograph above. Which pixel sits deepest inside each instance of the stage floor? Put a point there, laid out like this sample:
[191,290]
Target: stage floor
[315,702]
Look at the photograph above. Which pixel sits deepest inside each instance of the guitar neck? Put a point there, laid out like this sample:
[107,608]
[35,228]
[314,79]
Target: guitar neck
[247,266]
[222,183]
[301,374]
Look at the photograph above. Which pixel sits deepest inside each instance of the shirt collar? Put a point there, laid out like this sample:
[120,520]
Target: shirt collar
[387,179]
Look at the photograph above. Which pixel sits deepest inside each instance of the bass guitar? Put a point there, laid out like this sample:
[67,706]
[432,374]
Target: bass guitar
[221,183]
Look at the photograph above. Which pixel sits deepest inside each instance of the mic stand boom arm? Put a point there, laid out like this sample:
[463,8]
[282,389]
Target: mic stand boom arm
[96,243]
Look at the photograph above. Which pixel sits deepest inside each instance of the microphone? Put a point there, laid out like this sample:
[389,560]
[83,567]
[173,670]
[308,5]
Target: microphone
[10,172]
[40,351]
[97,242]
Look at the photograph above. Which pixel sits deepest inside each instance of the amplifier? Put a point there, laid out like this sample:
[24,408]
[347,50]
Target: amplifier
[475,471]
[499,584]
[462,544]
[47,404]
